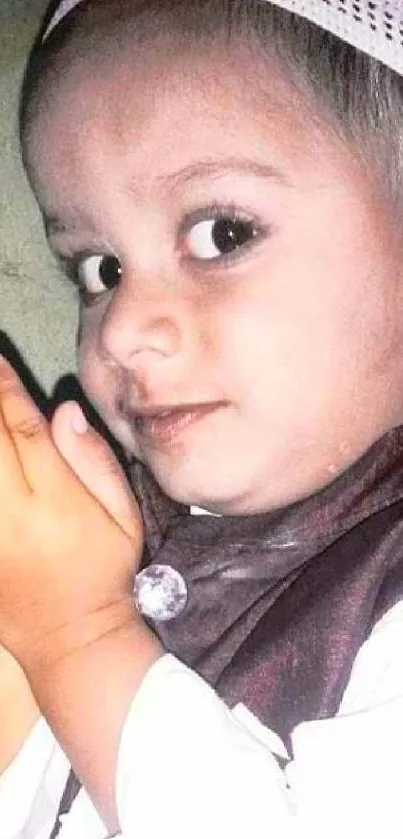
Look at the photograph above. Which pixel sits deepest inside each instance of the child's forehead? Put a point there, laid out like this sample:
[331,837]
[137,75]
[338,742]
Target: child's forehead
[138,73]
[152,92]
[149,56]
[143,127]
[172,157]
[232,96]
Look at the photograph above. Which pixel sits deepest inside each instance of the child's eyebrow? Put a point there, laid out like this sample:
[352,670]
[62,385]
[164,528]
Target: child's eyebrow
[202,169]
[228,165]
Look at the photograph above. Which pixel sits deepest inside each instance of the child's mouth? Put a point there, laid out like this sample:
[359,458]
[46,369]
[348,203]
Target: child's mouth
[162,426]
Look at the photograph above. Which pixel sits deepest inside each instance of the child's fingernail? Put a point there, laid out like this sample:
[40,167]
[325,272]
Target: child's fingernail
[78,420]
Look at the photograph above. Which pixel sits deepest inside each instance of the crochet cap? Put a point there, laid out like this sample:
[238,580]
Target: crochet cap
[373,26]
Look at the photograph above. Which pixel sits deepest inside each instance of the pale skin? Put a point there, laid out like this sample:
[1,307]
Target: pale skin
[297,340]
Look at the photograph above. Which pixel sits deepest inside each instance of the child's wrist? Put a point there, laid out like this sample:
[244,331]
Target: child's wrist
[79,639]
[84,683]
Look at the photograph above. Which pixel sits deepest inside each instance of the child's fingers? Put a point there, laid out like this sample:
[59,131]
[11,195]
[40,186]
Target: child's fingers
[27,454]
[12,477]
[92,460]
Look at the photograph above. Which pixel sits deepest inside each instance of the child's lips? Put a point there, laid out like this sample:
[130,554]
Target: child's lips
[162,425]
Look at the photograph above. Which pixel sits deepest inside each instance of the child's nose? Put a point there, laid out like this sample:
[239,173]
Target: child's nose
[136,330]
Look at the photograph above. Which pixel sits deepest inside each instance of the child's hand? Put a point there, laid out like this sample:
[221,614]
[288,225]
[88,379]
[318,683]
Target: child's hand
[18,709]
[67,560]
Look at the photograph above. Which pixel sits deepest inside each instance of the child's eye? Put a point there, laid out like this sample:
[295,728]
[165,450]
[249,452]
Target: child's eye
[97,274]
[221,236]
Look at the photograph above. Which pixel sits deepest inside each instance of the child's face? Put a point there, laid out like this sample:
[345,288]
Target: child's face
[252,345]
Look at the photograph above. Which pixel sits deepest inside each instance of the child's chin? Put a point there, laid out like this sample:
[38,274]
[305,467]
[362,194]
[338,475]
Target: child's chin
[196,483]
[208,499]
[189,492]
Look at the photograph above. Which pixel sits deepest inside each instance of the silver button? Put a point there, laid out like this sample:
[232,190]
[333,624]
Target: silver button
[160,592]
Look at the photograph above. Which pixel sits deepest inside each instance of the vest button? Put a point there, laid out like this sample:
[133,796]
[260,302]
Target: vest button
[160,592]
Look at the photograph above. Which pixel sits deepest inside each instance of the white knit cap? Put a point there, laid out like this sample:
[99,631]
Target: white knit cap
[373,26]
[62,10]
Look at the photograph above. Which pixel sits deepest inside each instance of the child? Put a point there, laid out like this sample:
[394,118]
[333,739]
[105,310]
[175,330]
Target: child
[222,180]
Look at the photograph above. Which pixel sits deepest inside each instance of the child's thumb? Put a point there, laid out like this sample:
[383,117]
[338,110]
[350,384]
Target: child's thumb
[94,463]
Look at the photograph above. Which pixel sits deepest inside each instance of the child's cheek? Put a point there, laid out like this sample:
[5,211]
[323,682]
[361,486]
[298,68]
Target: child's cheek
[93,373]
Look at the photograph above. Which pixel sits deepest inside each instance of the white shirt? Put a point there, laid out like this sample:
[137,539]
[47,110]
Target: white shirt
[189,767]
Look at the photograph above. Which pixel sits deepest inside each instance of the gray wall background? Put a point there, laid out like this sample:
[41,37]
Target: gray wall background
[37,311]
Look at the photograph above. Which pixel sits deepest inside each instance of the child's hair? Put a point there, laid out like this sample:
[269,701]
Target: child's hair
[360,96]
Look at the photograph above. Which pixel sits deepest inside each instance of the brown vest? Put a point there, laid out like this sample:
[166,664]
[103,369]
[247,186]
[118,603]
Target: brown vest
[280,603]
